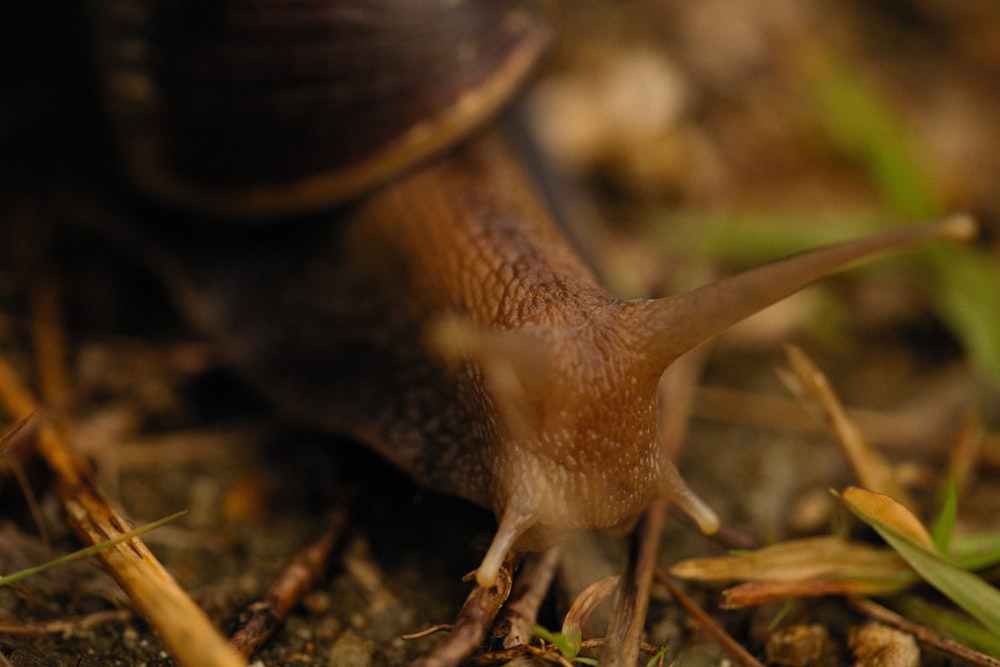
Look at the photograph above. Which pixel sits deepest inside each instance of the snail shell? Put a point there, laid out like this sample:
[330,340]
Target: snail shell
[262,108]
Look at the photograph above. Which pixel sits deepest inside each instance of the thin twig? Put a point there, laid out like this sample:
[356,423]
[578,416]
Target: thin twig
[733,647]
[66,625]
[263,617]
[546,652]
[14,434]
[918,427]
[474,619]
[872,469]
[922,633]
[428,631]
[534,578]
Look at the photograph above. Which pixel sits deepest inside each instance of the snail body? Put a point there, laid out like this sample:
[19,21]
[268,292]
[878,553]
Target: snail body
[440,316]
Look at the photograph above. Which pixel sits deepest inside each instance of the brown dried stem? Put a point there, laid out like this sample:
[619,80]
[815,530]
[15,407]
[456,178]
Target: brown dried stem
[474,619]
[626,627]
[733,647]
[873,470]
[263,617]
[533,581]
[67,625]
[546,652]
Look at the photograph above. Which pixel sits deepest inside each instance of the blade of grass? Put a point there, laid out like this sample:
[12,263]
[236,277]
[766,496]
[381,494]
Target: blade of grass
[89,551]
[961,281]
[948,622]
[963,285]
[975,552]
[859,119]
[944,525]
[965,589]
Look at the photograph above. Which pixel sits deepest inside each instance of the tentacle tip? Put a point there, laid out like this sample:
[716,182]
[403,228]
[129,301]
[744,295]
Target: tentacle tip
[960,227]
[702,514]
[486,576]
[513,524]
[708,524]
[489,569]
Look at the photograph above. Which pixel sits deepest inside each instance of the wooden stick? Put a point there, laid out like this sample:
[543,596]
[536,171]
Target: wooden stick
[735,650]
[263,617]
[474,619]
[534,578]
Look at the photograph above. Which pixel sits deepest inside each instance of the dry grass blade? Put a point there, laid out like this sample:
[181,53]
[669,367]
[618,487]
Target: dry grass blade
[264,616]
[585,603]
[828,557]
[919,427]
[474,619]
[923,633]
[533,581]
[964,452]
[13,434]
[807,567]
[871,468]
[68,625]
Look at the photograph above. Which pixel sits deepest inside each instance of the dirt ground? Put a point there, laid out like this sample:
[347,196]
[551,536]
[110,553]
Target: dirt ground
[690,138]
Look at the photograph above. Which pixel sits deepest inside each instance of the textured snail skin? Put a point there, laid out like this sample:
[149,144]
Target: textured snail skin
[444,321]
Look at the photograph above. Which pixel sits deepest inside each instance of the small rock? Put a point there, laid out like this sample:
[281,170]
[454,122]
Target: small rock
[350,650]
[801,645]
[878,645]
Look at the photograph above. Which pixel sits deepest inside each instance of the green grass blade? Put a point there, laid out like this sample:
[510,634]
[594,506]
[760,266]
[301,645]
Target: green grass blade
[948,622]
[864,125]
[970,592]
[962,281]
[965,293]
[944,525]
[89,551]
[975,552]
[568,646]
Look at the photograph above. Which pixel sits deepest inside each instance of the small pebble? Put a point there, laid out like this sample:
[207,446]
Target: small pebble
[350,650]
[878,645]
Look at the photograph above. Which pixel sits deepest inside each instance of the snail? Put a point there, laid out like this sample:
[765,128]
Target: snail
[417,293]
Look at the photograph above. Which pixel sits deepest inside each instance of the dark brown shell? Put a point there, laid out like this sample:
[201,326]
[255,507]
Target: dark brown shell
[266,107]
